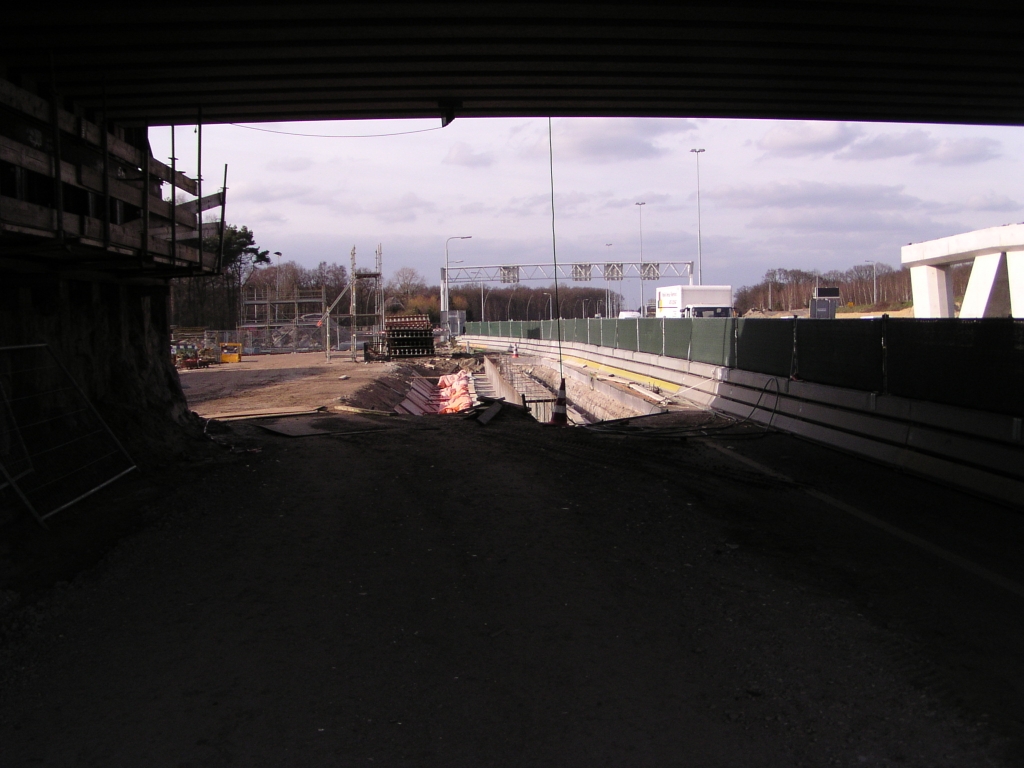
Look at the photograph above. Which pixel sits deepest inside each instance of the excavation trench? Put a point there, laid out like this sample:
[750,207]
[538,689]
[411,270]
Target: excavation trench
[533,382]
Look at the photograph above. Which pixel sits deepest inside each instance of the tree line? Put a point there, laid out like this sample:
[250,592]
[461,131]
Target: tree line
[216,301]
[789,289]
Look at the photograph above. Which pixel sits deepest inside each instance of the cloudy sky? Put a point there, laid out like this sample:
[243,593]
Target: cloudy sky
[809,195]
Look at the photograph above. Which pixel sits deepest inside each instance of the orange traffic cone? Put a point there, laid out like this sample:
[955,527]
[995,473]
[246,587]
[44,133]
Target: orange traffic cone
[558,415]
[515,350]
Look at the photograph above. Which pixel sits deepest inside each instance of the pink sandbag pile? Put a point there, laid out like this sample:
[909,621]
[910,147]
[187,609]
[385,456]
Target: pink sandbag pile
[455,395]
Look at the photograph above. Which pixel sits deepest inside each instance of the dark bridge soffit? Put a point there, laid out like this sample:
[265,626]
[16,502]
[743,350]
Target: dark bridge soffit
[900,61]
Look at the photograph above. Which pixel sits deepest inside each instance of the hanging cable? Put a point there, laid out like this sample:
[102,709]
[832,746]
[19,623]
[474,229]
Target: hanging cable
[554,250]
[335,135]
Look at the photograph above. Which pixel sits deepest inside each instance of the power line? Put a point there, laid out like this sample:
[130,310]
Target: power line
[336,135]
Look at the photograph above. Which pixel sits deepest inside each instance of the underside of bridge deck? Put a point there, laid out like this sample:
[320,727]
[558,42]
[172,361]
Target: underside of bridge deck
[940,61]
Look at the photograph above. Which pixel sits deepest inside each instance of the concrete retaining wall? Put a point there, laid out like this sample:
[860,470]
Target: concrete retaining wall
[979,451]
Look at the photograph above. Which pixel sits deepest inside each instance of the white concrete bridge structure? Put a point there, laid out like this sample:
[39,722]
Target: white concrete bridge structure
[996,285]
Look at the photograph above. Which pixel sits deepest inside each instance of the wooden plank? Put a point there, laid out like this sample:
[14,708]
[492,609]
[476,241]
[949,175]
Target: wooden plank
[493,410]
[40,162]
[208,202]
[39,109]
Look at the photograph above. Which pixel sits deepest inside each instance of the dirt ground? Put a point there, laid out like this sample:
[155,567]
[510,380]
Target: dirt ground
[431,591]
[300,381]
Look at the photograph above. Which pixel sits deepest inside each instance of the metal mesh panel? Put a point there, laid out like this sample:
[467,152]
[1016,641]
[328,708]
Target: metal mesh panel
[547,330]
[843,353]
[531,329]
[54,447]
[765,346]
[651,335]
[473,328]
[971,363]
[627,334]
[595,332]
[712,340]
[677,337]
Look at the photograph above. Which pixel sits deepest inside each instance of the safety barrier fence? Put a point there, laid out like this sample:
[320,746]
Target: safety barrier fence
[976,364]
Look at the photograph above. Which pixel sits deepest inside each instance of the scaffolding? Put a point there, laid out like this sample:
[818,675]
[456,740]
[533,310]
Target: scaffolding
[304,321]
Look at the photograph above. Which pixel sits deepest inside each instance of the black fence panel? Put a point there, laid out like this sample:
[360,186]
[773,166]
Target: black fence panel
[765,345]
[843,353]
[678,332]
[970,363]
[531,329]
[712,341]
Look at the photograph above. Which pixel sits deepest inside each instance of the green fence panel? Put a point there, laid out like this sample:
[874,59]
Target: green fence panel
[608,331]
[582,332]
[547,330]
[970,363]
[843,353]
[626,334]
[678,332]
[765,345]
[651,335]
[567,328]
[595,332]
[531,329]
[712,340]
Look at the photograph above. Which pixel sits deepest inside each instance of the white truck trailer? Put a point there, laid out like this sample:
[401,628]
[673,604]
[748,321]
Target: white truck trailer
[694,301]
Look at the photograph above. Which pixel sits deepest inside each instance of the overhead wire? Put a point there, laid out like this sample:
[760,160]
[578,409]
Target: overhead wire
[337,135]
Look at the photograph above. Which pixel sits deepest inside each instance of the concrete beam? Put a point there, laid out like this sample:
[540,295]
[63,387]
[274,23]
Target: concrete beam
[933,291]
[964,247]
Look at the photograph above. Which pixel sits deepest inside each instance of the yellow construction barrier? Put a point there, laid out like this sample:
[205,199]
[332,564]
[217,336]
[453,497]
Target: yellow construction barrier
[230,352]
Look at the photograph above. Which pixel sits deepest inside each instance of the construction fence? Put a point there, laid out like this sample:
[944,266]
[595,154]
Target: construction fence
[975,364]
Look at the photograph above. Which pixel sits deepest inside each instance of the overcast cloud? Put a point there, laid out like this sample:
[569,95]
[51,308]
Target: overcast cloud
[812,195]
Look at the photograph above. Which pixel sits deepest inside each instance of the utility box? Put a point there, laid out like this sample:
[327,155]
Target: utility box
[694,301]
[823,304]
[822,309]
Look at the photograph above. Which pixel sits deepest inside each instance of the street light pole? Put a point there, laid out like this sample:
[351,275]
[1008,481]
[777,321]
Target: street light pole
[700,270]
[445,298]
[277,277]
[550,310]
[874,280]
[641,209]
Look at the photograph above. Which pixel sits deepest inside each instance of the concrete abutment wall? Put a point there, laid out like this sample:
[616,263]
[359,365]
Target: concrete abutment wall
[114,339]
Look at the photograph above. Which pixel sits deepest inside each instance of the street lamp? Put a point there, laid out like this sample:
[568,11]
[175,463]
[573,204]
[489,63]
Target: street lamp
[700,272]
[528,304]
[641,209]
[607,290]
[550,310]
[508,309]
[277,276]
[445,299]
[874,280]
